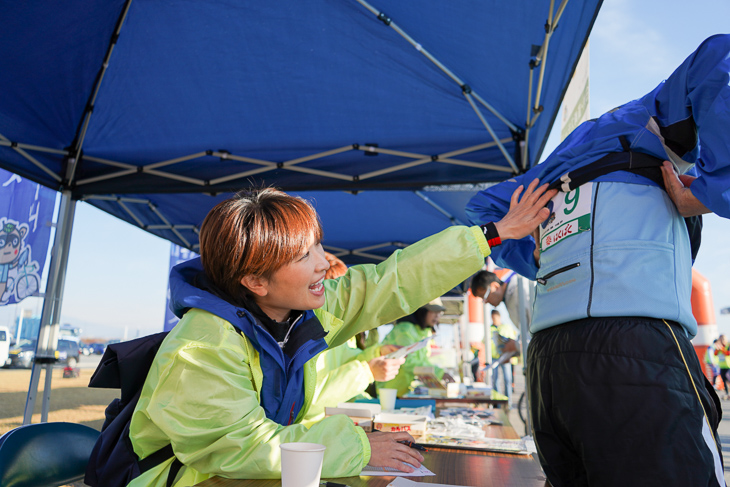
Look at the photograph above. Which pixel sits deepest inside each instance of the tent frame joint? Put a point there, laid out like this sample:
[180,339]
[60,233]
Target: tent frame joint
[383,17]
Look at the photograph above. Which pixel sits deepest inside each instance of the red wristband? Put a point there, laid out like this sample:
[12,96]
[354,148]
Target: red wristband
[491,233]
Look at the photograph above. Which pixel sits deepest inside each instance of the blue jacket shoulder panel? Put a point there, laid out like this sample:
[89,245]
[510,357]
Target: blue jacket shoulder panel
[282,394]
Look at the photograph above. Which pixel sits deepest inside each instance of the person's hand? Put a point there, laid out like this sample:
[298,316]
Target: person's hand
[386,349]
[385,451]
[678,190]
[385,369]
[525,213]
[448,378]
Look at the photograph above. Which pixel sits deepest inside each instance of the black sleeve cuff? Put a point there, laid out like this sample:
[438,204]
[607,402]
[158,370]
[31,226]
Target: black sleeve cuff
[491,233]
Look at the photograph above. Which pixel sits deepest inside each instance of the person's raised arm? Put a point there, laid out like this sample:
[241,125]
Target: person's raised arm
[699,90]
[494,204]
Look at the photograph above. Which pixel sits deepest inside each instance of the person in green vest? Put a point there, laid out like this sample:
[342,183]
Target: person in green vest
[722,351]
[411,329]
[501,334]
[712,362]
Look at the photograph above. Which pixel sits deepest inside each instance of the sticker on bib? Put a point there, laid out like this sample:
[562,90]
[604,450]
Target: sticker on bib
[570,214]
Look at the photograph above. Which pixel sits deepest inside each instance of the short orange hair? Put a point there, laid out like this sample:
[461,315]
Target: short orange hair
[337,267]
[256,232]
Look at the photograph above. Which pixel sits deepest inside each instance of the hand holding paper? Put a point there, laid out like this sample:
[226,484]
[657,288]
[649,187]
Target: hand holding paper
[404,351]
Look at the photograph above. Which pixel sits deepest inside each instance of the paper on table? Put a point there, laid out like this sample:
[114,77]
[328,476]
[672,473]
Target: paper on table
[401,482]
[402,352]
[369,470]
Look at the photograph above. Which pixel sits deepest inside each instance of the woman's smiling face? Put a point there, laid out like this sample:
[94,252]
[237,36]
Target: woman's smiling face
[297,285]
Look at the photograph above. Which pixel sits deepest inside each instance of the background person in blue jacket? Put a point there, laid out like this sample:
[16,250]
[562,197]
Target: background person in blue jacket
[619,397]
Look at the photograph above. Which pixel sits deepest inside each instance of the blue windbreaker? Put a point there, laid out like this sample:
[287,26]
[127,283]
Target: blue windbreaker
[684,120]
[282,394]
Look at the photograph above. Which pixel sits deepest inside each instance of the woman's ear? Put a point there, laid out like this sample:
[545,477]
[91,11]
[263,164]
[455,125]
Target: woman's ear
[257,285]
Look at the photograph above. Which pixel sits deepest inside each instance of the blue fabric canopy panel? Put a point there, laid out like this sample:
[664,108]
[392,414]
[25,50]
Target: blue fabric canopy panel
[130,100]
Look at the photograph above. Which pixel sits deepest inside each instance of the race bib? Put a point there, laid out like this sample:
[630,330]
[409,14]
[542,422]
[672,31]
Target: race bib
[570,214]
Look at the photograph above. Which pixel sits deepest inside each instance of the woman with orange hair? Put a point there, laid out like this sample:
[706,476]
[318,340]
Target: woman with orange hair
[233,380]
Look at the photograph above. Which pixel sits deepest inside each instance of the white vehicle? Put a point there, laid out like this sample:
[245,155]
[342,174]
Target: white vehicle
[4,346]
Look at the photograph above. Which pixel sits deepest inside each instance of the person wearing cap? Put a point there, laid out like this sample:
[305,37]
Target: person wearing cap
[411,329]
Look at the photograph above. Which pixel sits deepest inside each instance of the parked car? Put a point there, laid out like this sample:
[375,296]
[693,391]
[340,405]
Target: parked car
[4,346]
[68,351]
[98,348]
[22,353]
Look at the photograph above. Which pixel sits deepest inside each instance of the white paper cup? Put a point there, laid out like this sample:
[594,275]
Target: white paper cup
[387,399]
[301,464]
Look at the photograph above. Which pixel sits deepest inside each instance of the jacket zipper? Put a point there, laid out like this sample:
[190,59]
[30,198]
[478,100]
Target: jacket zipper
[291,413]
[543,280]
[593,242]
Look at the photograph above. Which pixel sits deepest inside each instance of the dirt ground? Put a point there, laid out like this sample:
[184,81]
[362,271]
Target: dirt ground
[71,400]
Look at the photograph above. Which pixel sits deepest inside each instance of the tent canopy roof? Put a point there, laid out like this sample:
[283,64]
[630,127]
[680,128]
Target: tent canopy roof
[132,100]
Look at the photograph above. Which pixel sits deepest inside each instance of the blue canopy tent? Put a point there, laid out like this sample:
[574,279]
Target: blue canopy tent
[152,110]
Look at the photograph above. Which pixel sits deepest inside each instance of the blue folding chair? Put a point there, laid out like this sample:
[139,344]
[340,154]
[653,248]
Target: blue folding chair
[45,454]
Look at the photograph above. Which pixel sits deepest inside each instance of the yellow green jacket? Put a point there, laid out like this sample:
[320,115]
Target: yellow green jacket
[342,373]
[202,393]
[406,333]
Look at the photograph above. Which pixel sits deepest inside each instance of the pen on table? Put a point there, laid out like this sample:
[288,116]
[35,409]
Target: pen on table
[413,445]
[332,484]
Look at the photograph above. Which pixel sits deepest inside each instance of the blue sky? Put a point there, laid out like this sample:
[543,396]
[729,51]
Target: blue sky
[117,274]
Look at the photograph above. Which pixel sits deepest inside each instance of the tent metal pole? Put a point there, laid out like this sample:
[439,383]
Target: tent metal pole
[95,92]
[465,348]
[154,210]
[528,126]
[51,314]
[17,148]
[452,218]
[524,335]
[388,21]
[552,23]
[491,132]
[5,142]
[487,347]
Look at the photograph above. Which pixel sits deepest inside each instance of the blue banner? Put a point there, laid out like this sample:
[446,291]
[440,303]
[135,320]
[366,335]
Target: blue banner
[26,218]
[177,255]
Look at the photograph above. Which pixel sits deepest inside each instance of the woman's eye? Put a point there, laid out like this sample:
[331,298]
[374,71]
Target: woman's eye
[304,257]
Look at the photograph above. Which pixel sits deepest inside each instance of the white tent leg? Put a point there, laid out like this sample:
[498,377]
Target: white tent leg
[487,348]
[524,335]
[466,374]
[50,317]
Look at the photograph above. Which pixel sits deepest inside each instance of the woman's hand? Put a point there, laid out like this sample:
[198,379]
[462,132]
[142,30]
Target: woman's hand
[678,190]
[385,451]
[525,213]
[385,369]
[386,349]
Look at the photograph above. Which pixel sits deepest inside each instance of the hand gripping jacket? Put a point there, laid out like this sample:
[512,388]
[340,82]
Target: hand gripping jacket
[627,252]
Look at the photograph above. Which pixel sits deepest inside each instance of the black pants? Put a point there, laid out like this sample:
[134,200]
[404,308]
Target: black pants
[613,405]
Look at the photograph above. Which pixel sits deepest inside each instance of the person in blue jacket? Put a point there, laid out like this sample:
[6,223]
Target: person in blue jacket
[618,394]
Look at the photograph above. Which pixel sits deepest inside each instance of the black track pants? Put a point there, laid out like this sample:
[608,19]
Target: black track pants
[613,405]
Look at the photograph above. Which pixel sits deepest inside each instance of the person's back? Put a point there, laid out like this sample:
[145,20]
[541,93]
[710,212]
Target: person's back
[612,316]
